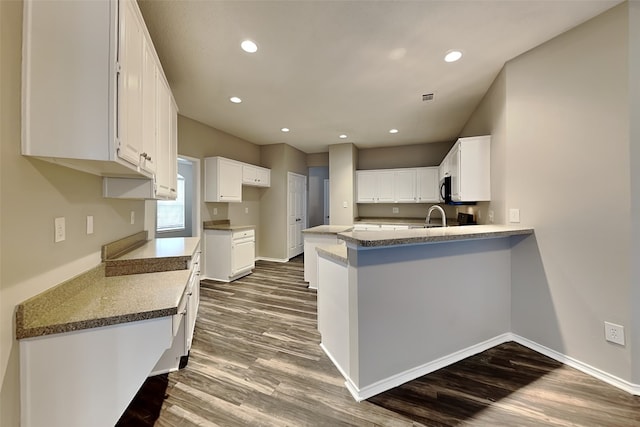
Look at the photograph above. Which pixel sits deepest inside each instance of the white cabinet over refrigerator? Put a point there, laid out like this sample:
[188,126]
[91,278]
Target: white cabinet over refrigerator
[229,253]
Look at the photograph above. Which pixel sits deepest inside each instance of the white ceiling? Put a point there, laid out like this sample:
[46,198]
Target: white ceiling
[356,67]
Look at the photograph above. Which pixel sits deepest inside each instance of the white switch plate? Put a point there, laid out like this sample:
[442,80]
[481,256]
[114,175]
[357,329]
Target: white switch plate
[344,204]
[396,210]
[60,229]
[514,215]
[89,224]
[133,217]
[490,217]
[246,210]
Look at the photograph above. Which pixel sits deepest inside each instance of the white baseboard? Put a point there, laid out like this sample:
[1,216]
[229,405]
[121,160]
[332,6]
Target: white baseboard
[413,373]
[261,258]
[581,366]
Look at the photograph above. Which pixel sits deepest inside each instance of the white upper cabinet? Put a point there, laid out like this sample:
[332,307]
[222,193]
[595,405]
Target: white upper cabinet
[90,88]
[407,185]
[224,178]
[469,165]
[256,176]
[427,189]
[167,138]
[375,186]
[404,182]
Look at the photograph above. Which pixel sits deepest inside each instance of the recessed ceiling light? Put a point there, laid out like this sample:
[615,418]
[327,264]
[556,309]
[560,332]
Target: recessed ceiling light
[452,56]
[249,46]
[393,130]
[235,100]
[285,129]
[343,136]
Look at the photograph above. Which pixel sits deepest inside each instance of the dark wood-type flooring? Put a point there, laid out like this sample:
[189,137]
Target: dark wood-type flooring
[256,361]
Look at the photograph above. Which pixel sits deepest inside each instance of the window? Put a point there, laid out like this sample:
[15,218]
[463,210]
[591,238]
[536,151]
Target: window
[171,213]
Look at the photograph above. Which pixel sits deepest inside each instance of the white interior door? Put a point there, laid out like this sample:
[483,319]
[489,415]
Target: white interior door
[326,202]
[296,212]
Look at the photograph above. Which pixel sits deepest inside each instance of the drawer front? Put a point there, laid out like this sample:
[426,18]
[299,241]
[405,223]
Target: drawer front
[243,234]
[182,312]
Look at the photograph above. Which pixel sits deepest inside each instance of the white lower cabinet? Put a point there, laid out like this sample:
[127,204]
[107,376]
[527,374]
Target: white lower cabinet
[229,254]
[183,324]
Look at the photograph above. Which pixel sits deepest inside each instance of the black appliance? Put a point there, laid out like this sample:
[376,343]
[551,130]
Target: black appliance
[445,190]
[465,219]
[445,193]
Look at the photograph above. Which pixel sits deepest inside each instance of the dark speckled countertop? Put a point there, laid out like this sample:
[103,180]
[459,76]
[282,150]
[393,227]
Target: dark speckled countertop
[225,224]
[92,299]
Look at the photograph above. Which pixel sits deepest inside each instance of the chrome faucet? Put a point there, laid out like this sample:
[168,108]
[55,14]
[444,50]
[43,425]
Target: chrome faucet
[434,208]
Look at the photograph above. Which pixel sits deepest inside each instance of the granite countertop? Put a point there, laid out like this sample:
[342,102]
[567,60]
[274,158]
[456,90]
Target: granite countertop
[225,224]
[164,254]
[327,229]
[383,238]
[335,252]
[92,300]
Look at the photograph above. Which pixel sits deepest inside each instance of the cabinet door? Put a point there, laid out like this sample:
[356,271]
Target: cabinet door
[405,185]
[131,51]
[428,185]
[148,159]
[229,181]
[366,186]
[249,174]
[385,186]
[242,256]
[264,177]
[454,167]
[166,174]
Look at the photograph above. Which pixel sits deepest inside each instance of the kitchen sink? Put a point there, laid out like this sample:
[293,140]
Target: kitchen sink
[425,226]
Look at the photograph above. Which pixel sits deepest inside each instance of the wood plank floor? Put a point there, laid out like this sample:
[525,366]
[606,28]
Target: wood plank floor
[256,361]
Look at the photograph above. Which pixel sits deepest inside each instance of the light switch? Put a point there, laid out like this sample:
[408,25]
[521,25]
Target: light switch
[60,231]
[89,224]
[514,215]
[133,217]
[246,210]
[344,204]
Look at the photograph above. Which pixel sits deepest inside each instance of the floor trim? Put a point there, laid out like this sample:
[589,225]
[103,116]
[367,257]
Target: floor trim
[378,387]
[624,385]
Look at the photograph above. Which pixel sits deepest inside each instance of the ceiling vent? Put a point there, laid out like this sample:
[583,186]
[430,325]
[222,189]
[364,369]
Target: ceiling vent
[427,97]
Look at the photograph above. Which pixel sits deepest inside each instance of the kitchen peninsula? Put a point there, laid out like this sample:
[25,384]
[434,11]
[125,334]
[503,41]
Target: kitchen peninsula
[396,305]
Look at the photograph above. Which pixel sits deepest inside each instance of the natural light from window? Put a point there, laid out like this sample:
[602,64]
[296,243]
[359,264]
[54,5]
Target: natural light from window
[171,213]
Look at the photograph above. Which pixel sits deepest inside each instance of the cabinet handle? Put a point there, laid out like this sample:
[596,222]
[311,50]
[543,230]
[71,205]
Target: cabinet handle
[184,313]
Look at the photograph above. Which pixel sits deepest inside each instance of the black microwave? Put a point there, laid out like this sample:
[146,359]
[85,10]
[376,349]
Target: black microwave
[445,193]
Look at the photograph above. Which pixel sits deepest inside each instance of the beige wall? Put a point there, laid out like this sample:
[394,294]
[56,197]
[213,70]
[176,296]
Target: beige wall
[280,158]
[405,156]
[343,162]
[318,160]
[561,118]
[32,194]
[198,140]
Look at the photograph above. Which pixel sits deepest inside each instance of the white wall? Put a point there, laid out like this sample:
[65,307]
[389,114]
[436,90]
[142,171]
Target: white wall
[342,166]
[563,156]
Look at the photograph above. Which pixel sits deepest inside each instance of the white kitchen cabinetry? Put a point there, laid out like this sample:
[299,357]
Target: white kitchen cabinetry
[468,164]
[183,323]
[407,185]
[404,183]
[427,185]
[256,176]
[222,180]
[167,143]
[375,186]
[229,254]
[85,103]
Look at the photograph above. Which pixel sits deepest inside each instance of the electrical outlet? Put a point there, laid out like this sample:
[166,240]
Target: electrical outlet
[60,229]
[490,215]
[215,211]
[614,333]
[514,215]
[246,210]
[89,224]
[344,204]
[395,210]
[133,217]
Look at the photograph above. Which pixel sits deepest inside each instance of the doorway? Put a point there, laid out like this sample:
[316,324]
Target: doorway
[296,212]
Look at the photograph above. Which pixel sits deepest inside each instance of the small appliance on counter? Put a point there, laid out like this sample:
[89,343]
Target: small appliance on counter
[465,219]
